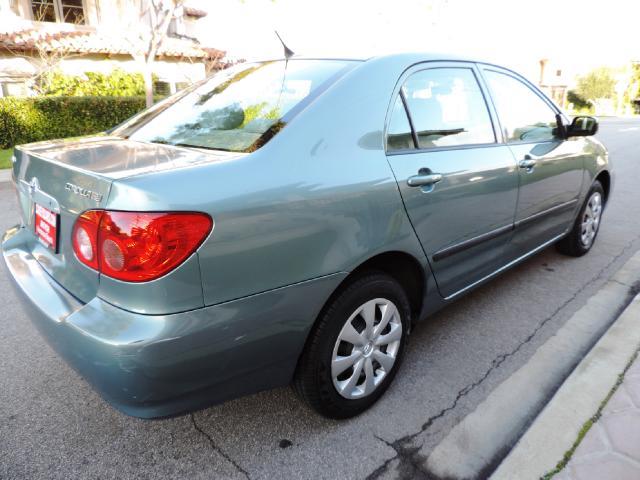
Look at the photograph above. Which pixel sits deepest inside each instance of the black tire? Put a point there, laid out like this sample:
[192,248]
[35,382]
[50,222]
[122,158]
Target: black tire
[572,244]
[313,380]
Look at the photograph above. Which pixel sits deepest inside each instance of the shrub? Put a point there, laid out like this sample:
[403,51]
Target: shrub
[580,106]
[597,84]
[117,83]
[24,120]
[578,101]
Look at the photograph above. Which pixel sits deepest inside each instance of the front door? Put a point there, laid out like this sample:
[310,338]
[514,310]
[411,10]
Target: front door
[550,167]
[459,186]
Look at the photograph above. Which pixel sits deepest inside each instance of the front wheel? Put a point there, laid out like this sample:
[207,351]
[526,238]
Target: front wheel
[585,229]
[356,347]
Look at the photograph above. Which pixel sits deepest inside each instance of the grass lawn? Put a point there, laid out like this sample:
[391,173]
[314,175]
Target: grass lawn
[5,158]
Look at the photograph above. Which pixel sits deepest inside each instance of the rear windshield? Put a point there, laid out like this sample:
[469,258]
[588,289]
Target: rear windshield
[238,109]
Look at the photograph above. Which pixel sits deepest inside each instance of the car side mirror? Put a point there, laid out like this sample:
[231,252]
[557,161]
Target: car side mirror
[582,127]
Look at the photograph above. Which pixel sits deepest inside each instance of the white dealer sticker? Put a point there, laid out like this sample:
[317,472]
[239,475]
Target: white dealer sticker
[46,227]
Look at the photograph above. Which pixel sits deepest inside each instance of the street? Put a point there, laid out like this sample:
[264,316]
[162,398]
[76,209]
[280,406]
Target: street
[53,425]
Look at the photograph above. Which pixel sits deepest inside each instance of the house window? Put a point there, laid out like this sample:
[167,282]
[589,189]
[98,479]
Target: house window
[68,11]
[43,11]
[176,27]
[13,89]
[161,88]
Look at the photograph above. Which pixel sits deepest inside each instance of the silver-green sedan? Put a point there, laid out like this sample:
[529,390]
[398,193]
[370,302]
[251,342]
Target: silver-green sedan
[288,221]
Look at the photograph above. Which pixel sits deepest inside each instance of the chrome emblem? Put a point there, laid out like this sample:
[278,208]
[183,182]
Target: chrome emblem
[34,186]
[83,192]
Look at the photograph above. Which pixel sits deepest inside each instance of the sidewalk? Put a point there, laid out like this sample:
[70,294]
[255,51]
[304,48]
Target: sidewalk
[590,429]
[526,425]
[611,447]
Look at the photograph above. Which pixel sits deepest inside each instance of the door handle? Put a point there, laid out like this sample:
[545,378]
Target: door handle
[527,163]
[424,180]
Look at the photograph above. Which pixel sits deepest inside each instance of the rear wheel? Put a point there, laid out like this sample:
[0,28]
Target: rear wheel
[356,347]
[585,229]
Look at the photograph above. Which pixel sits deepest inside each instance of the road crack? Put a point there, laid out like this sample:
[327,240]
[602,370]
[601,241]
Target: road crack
[410,461]
[217,449]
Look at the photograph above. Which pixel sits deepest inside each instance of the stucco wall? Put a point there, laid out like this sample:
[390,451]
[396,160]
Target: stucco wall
[106,14]
[168,70]
[14,67]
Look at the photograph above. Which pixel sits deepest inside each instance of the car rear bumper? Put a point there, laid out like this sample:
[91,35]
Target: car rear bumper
[160,365]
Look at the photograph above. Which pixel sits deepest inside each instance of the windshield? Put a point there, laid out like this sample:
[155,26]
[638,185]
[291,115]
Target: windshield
[238,109]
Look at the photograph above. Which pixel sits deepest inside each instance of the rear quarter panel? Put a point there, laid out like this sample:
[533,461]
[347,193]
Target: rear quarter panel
[320,198]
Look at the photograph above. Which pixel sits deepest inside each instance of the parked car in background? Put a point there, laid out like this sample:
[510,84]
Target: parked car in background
[288,222]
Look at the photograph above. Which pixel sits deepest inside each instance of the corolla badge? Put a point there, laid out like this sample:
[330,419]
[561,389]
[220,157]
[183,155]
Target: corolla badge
[83,192]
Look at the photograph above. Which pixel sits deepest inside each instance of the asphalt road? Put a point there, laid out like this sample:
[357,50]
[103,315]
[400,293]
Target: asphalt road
[52,425]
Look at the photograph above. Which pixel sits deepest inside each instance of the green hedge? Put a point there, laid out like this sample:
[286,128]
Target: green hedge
[116,83]
[24,120]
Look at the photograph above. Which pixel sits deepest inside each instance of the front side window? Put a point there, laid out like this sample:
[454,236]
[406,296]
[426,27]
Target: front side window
[238,109]
[447,108]
[68,11]
[525,117]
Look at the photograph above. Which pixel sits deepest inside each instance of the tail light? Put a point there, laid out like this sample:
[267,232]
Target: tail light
[85,237]
[138,246]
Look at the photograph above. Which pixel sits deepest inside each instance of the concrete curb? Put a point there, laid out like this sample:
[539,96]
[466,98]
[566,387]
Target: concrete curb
[557,427]
[5,175]
[476,444]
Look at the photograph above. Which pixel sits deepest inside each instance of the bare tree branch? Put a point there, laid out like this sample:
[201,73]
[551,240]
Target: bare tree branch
[47,58]
[148,35]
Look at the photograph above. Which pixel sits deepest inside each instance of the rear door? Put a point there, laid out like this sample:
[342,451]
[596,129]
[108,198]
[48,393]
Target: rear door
[549,166]
[458,183]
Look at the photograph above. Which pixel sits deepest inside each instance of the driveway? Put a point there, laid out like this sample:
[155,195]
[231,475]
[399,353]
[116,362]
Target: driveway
[52,425]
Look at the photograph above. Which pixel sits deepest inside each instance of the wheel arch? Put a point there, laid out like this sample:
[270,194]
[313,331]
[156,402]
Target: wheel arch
[604,177]
[403,267]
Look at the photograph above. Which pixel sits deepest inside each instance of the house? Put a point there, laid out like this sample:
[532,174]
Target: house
[77,36]
[635,87]
[554,81]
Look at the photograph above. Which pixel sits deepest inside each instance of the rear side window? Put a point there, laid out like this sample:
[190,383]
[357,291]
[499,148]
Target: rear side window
[447,108]
[525,117]
[238,109]
[399,136]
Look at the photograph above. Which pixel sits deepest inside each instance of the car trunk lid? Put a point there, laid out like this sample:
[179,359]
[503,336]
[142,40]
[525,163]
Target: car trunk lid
[65,191]
[70,177]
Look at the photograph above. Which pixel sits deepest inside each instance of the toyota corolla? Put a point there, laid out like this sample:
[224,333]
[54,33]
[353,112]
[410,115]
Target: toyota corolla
[288,221]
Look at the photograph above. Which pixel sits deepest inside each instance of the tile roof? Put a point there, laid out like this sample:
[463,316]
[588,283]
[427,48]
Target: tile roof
[194,12]
[73,39]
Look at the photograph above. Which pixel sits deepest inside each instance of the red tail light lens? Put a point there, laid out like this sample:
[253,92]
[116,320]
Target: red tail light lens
[85,237]
[139,246]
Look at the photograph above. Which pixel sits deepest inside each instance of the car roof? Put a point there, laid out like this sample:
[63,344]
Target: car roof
[407,58]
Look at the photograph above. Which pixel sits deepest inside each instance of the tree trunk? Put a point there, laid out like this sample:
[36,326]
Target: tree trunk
[148,84]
